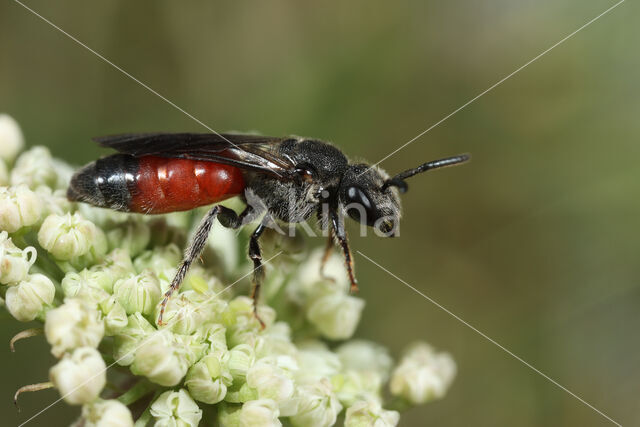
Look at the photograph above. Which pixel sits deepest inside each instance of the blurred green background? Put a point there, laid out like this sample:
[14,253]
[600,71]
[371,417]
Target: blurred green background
[535,243]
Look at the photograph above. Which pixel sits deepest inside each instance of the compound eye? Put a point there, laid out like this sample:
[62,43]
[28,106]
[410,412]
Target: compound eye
[359,205]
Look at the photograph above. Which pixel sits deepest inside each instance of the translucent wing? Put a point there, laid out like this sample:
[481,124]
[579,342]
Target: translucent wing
[250,152]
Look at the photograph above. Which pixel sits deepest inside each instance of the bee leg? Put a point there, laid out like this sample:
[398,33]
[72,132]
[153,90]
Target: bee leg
[326,255]
[258,270]
[341,235]
[192,252]
[230,219]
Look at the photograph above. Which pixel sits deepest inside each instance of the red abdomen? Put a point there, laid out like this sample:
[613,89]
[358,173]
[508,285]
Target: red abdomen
[164,185]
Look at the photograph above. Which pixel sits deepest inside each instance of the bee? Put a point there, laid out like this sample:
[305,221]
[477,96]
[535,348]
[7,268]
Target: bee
[293,178]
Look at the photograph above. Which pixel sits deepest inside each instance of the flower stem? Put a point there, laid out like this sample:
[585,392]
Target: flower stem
[138,391]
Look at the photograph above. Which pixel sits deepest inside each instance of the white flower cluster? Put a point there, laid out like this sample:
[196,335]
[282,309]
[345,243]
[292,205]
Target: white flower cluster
[96,277]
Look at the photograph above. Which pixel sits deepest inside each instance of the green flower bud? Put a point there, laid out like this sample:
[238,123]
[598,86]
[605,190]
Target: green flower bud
[214,334]
[131,235]
[240,393]
[370,414]
[140,293]
[188,310]
[14,262]
[241,323]
[272,377]
[308,274]
[193,347]
[335,314]
[74,324]
[161,260]
[241,358]
[365,356]
[160,359]
[35,168]
[19,207]
[229,414]
[275,340]
[55,201]
[116,265]
[130,337]
[27,299]
[79,376]
[317,406]
[262,412]
[175,409]
[208,379]
[422,374]
[11,139]
[352,386]
[86,285]
[114,316]
[71,236]
[106,413]
[316,362]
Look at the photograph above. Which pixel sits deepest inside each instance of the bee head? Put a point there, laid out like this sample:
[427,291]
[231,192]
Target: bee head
[371,197]
[365,198]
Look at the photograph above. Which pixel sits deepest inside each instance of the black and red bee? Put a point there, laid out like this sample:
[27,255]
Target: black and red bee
[294,178]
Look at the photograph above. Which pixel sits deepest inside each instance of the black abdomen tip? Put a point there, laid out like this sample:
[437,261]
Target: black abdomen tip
[105,182]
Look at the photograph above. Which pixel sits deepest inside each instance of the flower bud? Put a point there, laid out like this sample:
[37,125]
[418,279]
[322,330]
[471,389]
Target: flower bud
[130,337]
[215,335]
[19,207]
[272,377]
[240,392]
[106,413]
[229,414]
[262,412]
[208,379]
[365,356]
[11,139]
[422,374]
[160,359]
[370,414]
[74,324]
[79,376]
[86,285]
[71,236]
[316,362]
[14,262]
[162,260]
[241,322]
[308,275]
[335,314]
[36,168]
[114,316]
[175,408]
[317,406]
[28,298]
[188,310]
[241,358]
[140,293]
[351,386]
[131,235]
[116,265]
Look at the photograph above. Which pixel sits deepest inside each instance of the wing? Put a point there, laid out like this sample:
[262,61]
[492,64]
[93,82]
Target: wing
[250,152]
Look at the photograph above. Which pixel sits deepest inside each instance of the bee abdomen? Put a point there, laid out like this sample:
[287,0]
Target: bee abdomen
[105,183]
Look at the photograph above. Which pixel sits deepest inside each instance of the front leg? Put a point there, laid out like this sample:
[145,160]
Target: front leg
[192,252]
[341,235]
[258,270]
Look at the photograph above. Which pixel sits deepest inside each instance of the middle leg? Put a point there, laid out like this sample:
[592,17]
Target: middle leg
[258,270]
